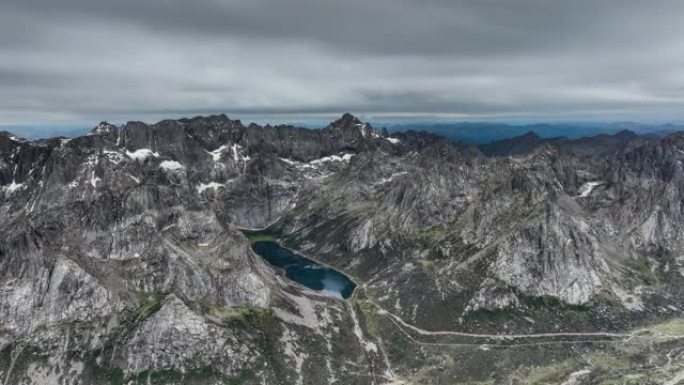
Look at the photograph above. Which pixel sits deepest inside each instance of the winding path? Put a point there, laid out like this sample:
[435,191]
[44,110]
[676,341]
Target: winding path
[420,331]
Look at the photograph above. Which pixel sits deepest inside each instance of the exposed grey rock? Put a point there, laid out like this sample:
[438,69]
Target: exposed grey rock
[120,251]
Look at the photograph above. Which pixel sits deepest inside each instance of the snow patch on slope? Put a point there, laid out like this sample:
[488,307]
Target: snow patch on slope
[318,162]
[171,165]
[142,154]
[12,187]
[211,185]
[216,154]
[114,156]
[331,158]
[587,188]
[390,178]
[319,168]
[236,149]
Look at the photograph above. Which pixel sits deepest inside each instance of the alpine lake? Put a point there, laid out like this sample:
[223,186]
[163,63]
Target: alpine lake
[301,269]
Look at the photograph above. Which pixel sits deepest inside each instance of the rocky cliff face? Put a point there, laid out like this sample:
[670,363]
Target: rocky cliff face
[121,256]
[594,228]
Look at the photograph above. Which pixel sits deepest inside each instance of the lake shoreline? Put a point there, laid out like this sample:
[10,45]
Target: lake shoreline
[306,271]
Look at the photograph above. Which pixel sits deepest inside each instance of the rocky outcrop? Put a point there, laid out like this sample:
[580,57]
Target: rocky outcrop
[120,253]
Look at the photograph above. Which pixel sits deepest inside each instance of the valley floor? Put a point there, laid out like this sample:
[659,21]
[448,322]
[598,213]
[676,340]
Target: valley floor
[647,355]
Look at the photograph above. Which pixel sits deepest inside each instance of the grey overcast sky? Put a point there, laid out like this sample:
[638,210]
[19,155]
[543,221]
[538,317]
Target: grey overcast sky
[72,61]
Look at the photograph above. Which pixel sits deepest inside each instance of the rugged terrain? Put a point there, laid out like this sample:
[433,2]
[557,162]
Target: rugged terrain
[530,260]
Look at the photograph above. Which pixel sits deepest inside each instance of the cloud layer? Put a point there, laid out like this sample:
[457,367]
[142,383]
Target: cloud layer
[82,60]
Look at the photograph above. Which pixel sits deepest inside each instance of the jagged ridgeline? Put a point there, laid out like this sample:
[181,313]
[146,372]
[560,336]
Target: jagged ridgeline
[124,257]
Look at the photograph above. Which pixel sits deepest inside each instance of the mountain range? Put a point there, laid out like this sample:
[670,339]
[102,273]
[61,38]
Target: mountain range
[125,256]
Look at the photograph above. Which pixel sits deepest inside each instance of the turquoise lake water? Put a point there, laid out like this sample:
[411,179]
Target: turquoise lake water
[305,271]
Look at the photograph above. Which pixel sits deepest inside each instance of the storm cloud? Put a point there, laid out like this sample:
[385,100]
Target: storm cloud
[82,60]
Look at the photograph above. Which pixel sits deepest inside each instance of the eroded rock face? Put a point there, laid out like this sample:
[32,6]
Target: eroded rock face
[175,334]
[554,256]
[65,293]
[120,251]
[583,221]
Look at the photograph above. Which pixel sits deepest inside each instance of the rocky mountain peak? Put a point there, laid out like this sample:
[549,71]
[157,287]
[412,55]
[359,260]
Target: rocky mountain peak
[6,133]
[347,119]
[210,119]
[103,128]
[350,124]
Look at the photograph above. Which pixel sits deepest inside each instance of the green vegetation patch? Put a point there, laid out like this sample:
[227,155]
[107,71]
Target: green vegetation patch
[218,311]
[241,378]
[149,302]
[427,264]
[549,302]
[642,267]
[672,329]
[336,351]
[165,376]
[255,317]
[439,232]
[370,314]
[113,376]
[238,316]
[552,374]
[609,362]
[260,236]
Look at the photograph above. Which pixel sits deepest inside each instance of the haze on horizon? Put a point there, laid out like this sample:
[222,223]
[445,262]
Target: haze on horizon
[77,62]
